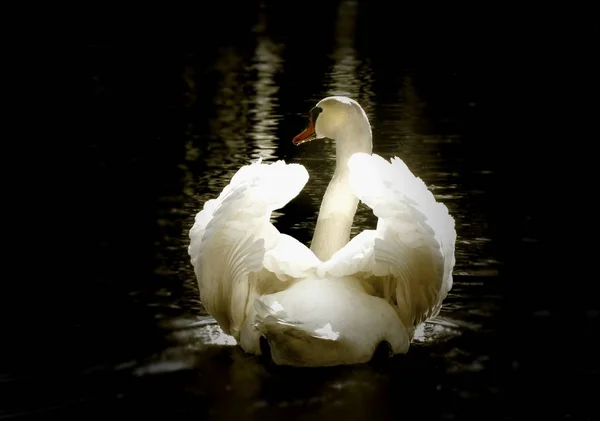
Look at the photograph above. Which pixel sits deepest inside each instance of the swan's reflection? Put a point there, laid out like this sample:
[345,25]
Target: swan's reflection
[217,375]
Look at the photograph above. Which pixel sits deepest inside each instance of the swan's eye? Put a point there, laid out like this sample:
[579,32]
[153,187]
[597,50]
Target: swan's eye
[314,113]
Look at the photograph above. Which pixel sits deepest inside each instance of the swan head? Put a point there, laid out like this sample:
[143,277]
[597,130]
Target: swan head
[339,118]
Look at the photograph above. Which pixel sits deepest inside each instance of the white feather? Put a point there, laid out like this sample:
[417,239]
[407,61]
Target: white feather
[232,238]
[412,249]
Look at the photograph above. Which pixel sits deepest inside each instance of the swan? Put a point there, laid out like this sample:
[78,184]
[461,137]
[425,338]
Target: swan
[341,299]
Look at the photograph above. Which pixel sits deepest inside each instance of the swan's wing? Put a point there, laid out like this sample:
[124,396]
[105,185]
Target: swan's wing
[409,258]
[236,251]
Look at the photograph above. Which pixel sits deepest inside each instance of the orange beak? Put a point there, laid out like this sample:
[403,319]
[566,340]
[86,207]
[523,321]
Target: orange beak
[307,134]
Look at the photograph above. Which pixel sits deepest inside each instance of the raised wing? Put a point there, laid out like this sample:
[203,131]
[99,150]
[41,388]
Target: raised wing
[236,251]
[408,260]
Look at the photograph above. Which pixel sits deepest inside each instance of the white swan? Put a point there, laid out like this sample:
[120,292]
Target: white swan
[337,302]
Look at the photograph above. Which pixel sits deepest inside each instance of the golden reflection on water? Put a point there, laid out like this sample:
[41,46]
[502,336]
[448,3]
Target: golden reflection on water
[349,75]
[266,62]
[230,125]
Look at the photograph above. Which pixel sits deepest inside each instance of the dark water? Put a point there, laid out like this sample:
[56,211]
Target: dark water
[116,327]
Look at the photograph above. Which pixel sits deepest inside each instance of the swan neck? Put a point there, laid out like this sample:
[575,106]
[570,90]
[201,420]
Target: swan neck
[339,202]
[335,218]
[350,140]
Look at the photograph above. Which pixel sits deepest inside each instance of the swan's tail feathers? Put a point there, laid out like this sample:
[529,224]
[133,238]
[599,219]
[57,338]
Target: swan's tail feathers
[232,233]
[269,316]
[273,321]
